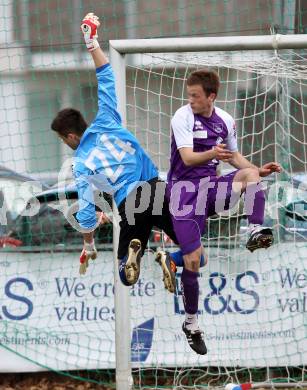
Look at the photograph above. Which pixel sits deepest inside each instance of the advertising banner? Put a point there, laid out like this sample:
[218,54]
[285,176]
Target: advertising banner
[252,309]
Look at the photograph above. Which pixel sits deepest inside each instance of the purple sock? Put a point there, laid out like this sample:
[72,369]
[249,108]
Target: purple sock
[190,290]
[254,203]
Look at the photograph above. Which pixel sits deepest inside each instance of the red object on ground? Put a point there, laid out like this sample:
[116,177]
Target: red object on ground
[9,241]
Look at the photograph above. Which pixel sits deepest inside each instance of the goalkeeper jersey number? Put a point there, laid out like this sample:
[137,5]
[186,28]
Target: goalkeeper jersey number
[108,157]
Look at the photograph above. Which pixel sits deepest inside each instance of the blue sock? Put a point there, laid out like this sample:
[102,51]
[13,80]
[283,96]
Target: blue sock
[178,259]
[202,261]
[121,270]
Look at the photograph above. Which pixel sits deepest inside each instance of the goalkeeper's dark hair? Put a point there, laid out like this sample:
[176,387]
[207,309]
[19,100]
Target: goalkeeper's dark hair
[208,79]
[69,120]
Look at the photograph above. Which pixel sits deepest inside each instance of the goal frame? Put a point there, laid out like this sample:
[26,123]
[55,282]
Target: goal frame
[118,49]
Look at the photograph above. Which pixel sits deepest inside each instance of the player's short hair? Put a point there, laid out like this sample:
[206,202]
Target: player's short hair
[69,120]
[208,79]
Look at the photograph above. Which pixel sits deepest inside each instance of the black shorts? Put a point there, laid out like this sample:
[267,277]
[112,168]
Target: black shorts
[156,214]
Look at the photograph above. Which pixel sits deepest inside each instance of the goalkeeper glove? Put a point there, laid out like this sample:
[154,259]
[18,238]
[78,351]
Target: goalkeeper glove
[89,26]
[89,251]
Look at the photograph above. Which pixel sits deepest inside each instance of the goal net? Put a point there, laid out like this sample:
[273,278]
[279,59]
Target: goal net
[252,307]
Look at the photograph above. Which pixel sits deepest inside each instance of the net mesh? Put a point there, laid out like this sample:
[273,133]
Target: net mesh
[53,319]
[251,308]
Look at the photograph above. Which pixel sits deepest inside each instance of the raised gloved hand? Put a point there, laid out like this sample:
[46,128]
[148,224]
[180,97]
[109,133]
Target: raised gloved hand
[89,251]
[89,26]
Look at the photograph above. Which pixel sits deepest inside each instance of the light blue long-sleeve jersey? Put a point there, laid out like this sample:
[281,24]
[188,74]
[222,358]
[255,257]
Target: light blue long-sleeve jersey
[108,157]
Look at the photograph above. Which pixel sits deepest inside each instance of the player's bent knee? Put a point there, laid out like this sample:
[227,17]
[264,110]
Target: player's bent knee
[192,260]
[246,175]
[192,264]
[252,175]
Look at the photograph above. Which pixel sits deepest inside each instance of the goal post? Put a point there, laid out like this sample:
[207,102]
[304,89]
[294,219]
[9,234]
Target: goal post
[193,44]
[121,296]
[160,52]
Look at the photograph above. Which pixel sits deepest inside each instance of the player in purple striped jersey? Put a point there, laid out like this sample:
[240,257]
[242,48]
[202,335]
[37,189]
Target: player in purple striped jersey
[203,135]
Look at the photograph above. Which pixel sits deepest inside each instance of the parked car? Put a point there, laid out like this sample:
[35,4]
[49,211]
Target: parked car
[294,220]
[286,208]
[50,225]
[15,191]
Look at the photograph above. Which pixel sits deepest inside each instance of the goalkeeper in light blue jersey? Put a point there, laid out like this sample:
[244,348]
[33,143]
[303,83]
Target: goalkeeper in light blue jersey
[108,157]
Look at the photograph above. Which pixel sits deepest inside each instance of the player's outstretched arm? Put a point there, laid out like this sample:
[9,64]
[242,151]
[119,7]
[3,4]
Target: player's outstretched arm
[271,167]
[240,162]
[89,27]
